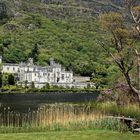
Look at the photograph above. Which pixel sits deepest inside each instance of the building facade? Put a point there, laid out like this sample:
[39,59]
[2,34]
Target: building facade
[53,74]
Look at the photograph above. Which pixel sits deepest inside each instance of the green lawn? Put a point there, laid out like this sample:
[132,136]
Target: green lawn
[71,135]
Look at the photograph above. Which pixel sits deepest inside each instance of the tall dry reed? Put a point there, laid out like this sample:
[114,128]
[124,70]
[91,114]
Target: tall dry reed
[56,117]
[49,114]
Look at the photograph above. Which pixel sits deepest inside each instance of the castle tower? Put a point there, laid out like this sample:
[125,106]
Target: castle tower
[30,61]
[52,62]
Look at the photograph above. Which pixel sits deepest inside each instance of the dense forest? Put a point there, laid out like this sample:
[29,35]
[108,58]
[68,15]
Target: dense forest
[67,30]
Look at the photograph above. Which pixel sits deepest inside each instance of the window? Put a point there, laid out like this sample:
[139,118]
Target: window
[62,76]
[58,80]
[44,74]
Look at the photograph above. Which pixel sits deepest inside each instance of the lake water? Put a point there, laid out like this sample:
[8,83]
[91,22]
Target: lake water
[42,109]
[22,102]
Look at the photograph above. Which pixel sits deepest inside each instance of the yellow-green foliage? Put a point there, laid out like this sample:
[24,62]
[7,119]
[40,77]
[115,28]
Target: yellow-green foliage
[131,110]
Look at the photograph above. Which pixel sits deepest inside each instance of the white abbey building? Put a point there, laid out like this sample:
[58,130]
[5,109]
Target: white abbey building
[53,74]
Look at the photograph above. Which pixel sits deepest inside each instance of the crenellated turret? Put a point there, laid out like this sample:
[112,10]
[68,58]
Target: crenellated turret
[52,62]
[30,62]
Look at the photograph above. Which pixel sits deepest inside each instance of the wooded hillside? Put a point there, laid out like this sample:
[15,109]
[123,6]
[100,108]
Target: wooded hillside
[67,30]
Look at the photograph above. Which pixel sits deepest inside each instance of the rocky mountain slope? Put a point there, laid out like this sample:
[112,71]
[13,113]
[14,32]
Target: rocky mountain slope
[59,8]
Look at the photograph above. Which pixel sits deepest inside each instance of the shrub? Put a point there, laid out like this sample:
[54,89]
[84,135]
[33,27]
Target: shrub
[11,79]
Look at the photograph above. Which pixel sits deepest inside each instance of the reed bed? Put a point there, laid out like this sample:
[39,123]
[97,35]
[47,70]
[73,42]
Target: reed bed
[56,117]
[47,115]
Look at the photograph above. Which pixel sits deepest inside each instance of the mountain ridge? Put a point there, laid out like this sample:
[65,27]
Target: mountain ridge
[61,8]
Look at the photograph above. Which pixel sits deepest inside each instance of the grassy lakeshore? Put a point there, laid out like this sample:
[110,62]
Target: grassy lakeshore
[71,135]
